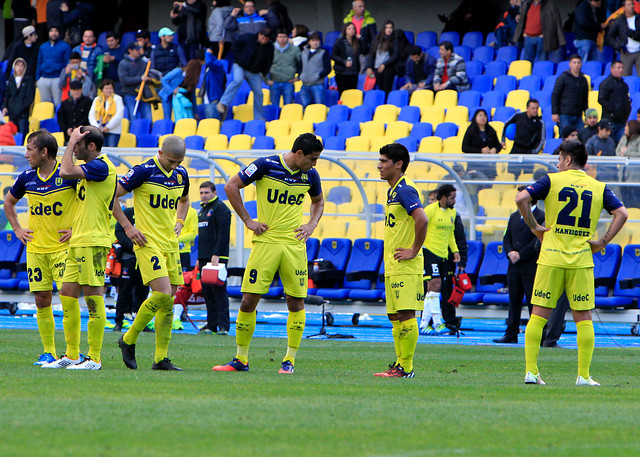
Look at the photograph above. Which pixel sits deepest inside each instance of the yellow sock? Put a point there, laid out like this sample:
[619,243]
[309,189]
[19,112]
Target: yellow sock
[395,332]
[71,325]
[147,311]
[408,338]
[47,329]
[532,338]
[245,325]
[95,327]
[295,328]
[586,342]
[164,321]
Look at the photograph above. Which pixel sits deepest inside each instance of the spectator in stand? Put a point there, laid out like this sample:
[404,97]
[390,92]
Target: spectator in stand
[588,21]
[299,36]
[541,26]
[602,145]
[613,96]
[481,138]
[27,49]
[131,72]
[215,80]
[451,71]
[112,57]
[624,37]
[316,65]
[72,72]
[107,112]
[568,133]
[143,37]
[246,20]
[54,16]
[286,64]
[74,111]
[629,146]
[89,52]
[78,17]
[383,57]
[21,89]
[529,136]
[254,55]
[570,96]
[366,29]
[215,27]
[190,18]
[180,81]
[346,55]
[421,68]
[23,16]
[277,16]
[591,118]
[52,57]
[168,55]
[506,28]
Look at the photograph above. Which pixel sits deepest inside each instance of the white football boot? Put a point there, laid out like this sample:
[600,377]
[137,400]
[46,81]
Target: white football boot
[62,362]
[531,378]
[586,382]
[88,364]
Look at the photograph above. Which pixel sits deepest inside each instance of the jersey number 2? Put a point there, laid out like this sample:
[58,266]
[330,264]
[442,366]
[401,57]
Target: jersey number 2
[570,195]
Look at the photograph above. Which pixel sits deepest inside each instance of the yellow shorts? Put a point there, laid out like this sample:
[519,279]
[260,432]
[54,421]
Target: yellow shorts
[154,264]
[267,258]
[550,282]
[85,265]
[44,269]
[404,293]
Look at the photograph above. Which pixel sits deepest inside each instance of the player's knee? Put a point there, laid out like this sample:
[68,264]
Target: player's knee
[295,304]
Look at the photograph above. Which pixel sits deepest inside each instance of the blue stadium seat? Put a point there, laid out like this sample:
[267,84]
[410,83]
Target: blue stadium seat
[421,130]
[147,140]
[562,67]
[632,81]
[255,127]
[474,68]
[410,143]
[162,127]
[482,83]
[194,142]
[331,38]
[339,195]
[18,137]
[377,211]
[231,127]
[454,37]
[469,98]
[127,37]
[338,113]
[338,251]
[325,129]
[473,110]
[483,54]
[140,126]
[503,113]
[551,144]
[399,98]
[532,83]
[491,38]
[507,54]
[271,113]
[263,142]
[606,55]
[463,51]
[374,98]
[558,55]
[474,258]
[375,294]
[10,248]
[426,39]
[362,113]
[313,246]
[50,125]
[434,51]
[543,97]
[331,97]
[348,129]
[472,39]
[492,274]
[102,40]
[446,129]
[334,143]
[241,96]
[593,68]
[549,83]
[506,83]
[410,114]
[410,36]
[493,99]
[361,79]
[543,68]
[495,68]
[627,286]
[605,268]
[364,262]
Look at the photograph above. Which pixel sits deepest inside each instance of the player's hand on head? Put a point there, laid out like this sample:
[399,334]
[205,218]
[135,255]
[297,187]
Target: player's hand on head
[136,236]
[76,134]
[65,235]
[256,227]
[303,232]
[24,235]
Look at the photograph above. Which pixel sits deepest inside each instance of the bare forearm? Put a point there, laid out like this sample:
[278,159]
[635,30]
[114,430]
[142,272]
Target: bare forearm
[233,194]
[12,214]
[619,218]
[120,216]
[317,209]
[524,207]
[183,208]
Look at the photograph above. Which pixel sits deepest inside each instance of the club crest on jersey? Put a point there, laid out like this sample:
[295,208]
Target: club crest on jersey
[58,181]
[251,169]
[304,177]
[179,178]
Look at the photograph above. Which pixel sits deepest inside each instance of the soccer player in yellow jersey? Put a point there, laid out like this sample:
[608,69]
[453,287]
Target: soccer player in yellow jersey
[160,189]
[51,200]
[440,237]
[573,203]
[405,227]
[279,240]
[88,247]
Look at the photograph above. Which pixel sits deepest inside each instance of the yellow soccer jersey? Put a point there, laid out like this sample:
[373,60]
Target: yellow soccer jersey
[94,204]
[440,230]
[280,194]
[51,207]
[399,228]
[573,202]
[156,193]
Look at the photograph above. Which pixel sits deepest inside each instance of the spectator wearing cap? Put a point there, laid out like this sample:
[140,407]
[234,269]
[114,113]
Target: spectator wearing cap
[316,65]
[568,133]
[168,55]
[89,52]
[74,111]
[72,72]
[52,58]
[591,117]
[603,145]
[131,72]
[143,37]
[112,57]
[26,49]
[246,20]
[613,96]
[421,67]
[190,18]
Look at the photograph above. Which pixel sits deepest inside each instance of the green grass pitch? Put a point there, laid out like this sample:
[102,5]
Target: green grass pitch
[467,401]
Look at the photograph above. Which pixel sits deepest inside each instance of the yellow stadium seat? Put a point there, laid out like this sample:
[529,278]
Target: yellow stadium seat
[217,142]
[353,207]
[266,97]
[446,98]
[498,126]
[43,110]
[432,114]
[207,127]
[509,196]
[518,99]
[431,145]
[239,142]
[161,139]
[398,129]
[520,68]
[59,136]
[315,113]
[125,125]
[459,115]
[127,140]
[386,113]
[357,144]
[593,102]
[185,127]
[243,113]
[297,86]
[372,129]
[489,197]
[462,128]
[588,78]
[157,113]
[284,142]
[37,98]
[377,142]
[421,98]
[496,225]
[279,127]
[352,98]
[291,112]
[452,145]
[300,127]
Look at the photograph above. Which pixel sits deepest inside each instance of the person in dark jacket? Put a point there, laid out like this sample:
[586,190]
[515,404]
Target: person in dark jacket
[625,39]
[21,89]
[215,80]
[112,57]
[168,54]
[587,23]
[529,135]
[131,289]
[245,20]
[190,18]
[420,69]
[542,29]
[383,57]
[277,16]
[519,243]
[214,225]
[481,138]
[346,55]
[74,111]
[27,48]
[570,96]
[591,127]
[315,66]
[131,72]
[613,96]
